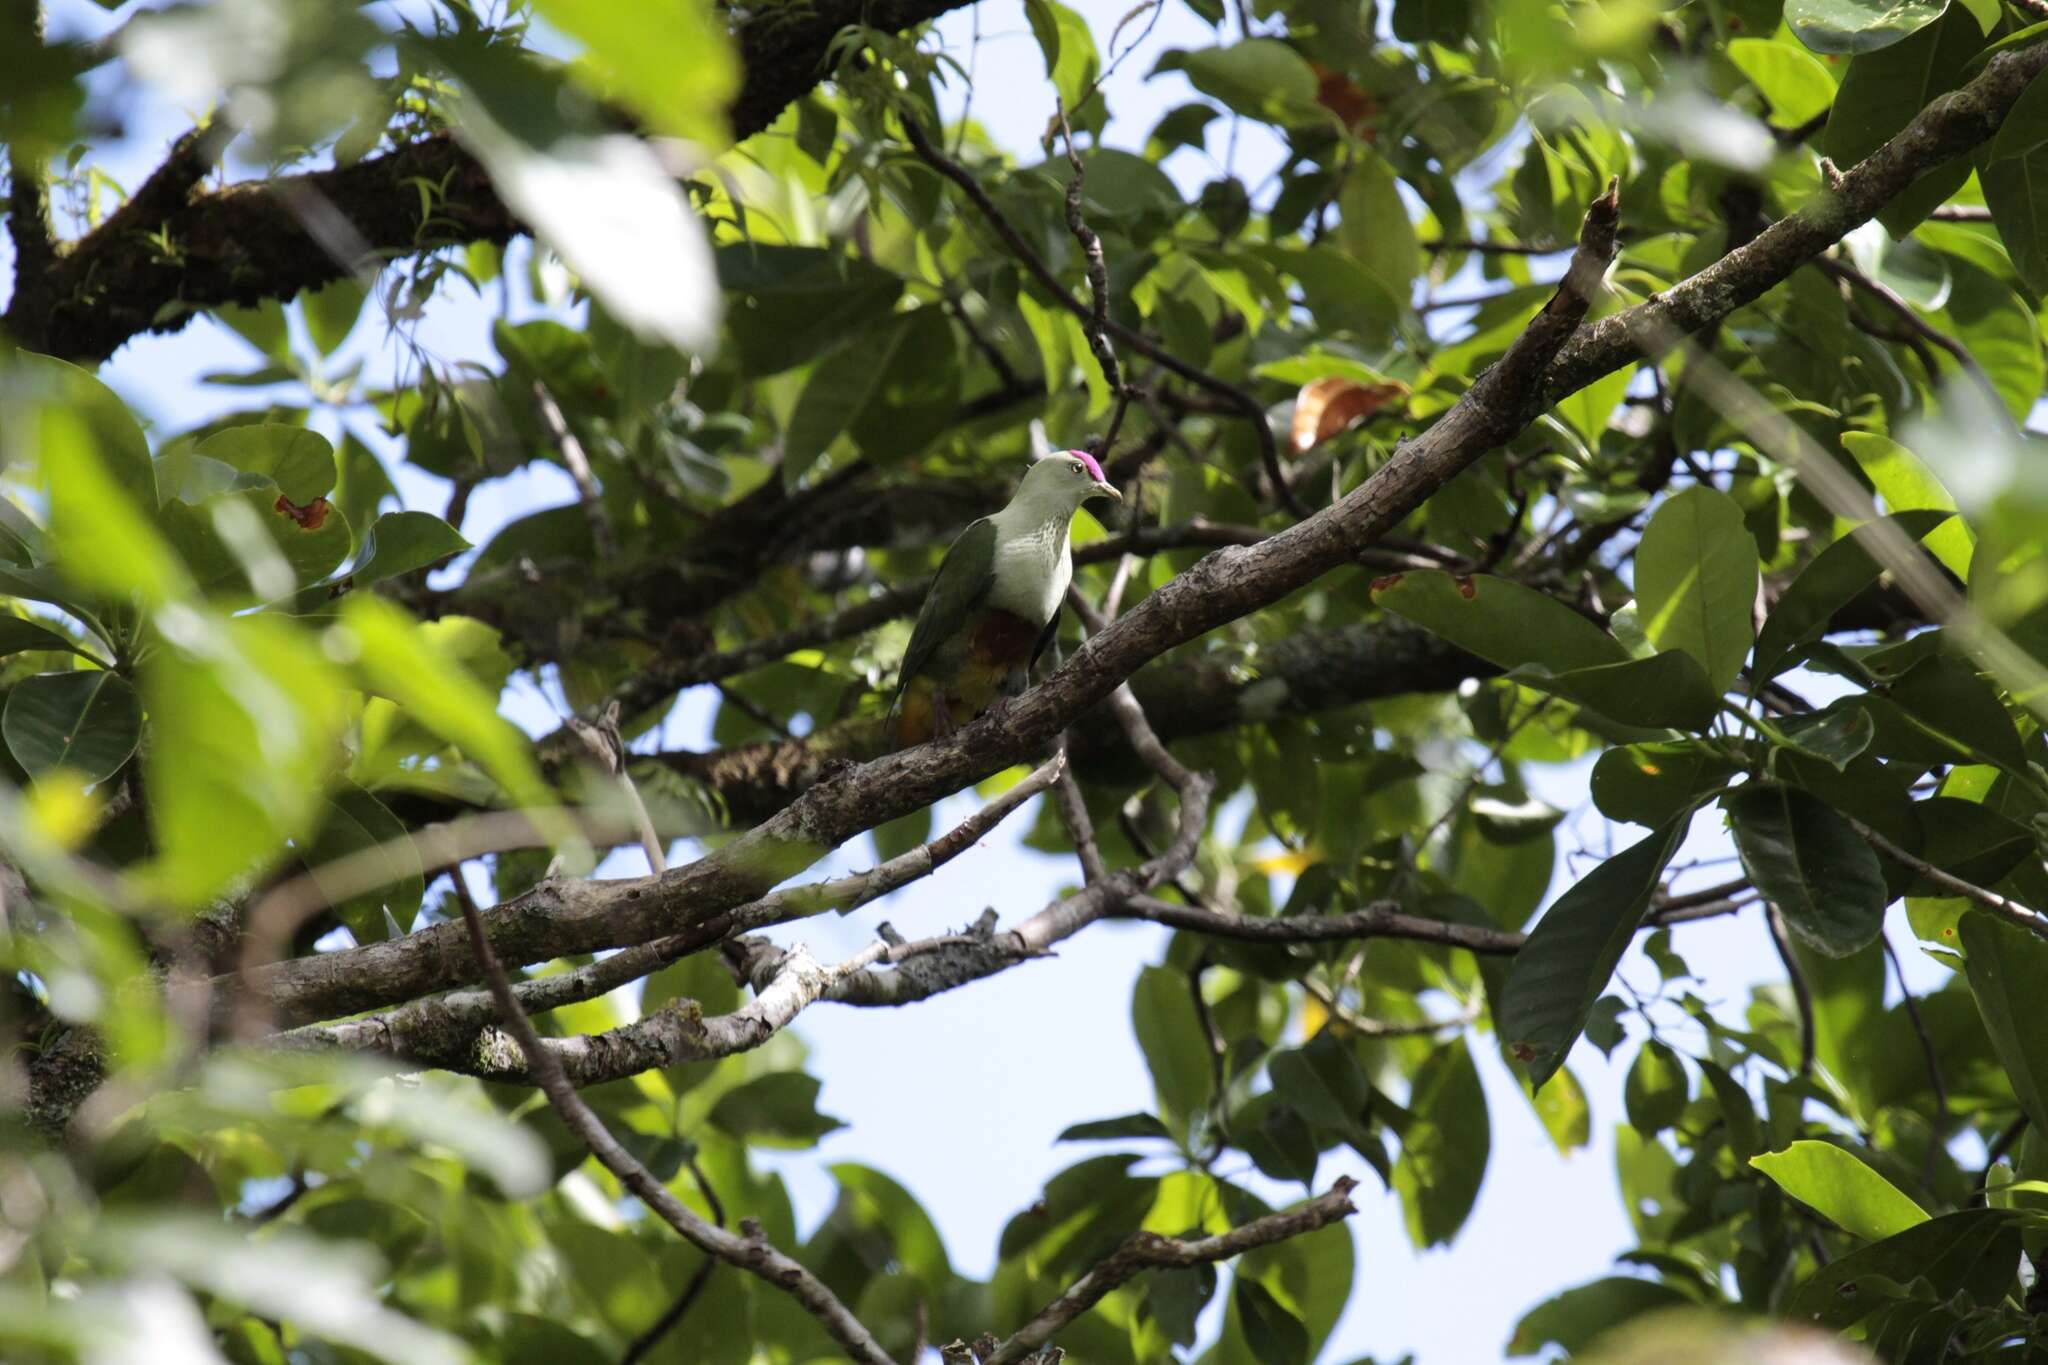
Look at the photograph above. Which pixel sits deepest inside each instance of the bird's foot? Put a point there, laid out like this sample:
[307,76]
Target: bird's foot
[943,725]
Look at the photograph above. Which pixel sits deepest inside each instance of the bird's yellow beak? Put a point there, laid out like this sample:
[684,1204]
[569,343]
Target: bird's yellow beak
[1107,490]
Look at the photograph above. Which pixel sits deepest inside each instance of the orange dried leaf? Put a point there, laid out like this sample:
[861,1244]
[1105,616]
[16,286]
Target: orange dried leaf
[1327,406]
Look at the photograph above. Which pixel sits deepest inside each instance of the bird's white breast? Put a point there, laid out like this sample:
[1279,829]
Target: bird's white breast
[1032,568]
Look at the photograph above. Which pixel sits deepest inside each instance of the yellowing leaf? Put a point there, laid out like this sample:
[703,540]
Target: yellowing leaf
[1333,404]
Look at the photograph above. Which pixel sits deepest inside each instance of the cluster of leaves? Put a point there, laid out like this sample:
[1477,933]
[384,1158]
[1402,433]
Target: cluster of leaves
[209,686]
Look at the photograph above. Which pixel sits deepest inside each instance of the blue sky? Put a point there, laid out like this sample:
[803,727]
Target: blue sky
[961,1097]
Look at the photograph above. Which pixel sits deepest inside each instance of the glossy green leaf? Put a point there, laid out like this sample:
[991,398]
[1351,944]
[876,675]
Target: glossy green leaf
[1900,68]
[1175,1046]
[1272,1331]
[2008,968]
[1797,86]
[1375,229]
[360,828]
[1101,1130]
[1656,1090]
[401,542]
[1562,1108]
[243,730]
[1665,691]
[788,304]
[1806,860]
[1498,620]
[777,1110]
[1845,27]
[18,634]
[635,56]
[88,721]
[298,461]
[1444,1146]
[1576,1318]
[1573,950]
[1834,1183]
[1260,78]
[1974,1252]
[1696,577]
[117,441]
[1833,579]
[1648,784]
[1905,483]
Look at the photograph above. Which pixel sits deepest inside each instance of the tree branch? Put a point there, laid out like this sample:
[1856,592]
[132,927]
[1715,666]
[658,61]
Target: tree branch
[750,1251]
[245,243]
[1143,1251]
[2008,910]
[1544,362]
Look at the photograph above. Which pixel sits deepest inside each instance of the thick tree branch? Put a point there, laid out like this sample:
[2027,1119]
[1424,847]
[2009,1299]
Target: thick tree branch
[1948,127]
[168,254]
[1542,364]
[443,1030]
[1143,1251]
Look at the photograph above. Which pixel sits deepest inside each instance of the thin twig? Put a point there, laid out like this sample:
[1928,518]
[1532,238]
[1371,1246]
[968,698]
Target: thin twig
[1346,1019]
[1096,325]
[1802,994]
[666,1323]
[1910,318]
[1247,406]
[750,1250]
[2009,910]
[1143,1251]
[1934,1077]
[587,492]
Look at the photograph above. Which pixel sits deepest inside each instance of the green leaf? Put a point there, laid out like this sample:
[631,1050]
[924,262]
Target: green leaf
[243,722]
[298,461]
[1738,1111]
[1795,83]
[1657,1089]
[1261,78]
[117,441]
[1129,1126]
[788,304]
[88,721]
[262,326]
[2000,330]
[18,634]
[1068,45]
[1575,1319]
[398,661]
[1973,1252]
[1563,1110]
[1324,1083]
[1805,859]
[1275,1335]
[1846,27]
[401,542]
[2008,970]
[1831,580]
[1375,229]
[635,56]
[359,826]
[1444,1146]
[776,1110]
[1696,577]
[1176,1048]
[331,312]
[1665,691]
[1906,484]
[1834,1183]
[917,392]
[1648,784]
[1499,620]
[1573,950]
[2014,174]
[1893,80]
[1950,700]
[1836,736]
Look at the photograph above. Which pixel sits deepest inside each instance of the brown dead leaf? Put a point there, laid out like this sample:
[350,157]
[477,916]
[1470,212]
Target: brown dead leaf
[1332,404]
[1342,96]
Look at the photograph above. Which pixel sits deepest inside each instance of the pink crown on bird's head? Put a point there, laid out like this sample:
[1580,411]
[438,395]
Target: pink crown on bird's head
[1089,460]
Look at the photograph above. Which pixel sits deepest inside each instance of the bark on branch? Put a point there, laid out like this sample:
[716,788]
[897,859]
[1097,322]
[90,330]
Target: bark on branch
[245,243]
[1542,364]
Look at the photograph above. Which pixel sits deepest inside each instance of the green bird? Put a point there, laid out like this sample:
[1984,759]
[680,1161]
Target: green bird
[996,603]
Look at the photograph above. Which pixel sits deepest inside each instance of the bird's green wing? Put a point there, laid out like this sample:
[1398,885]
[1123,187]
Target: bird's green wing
[965,576]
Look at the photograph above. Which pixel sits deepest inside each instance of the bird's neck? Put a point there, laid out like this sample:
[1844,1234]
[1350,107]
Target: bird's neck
[1044,524]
